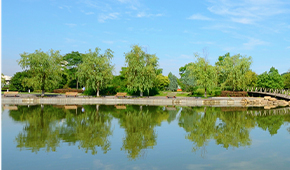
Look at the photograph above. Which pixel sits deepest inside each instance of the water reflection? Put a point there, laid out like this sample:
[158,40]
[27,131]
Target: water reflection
[89,127]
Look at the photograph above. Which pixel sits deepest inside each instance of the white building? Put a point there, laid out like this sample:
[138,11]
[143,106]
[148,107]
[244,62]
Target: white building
[7,79]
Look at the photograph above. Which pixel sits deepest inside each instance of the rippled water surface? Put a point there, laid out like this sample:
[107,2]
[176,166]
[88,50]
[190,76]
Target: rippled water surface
[144,137]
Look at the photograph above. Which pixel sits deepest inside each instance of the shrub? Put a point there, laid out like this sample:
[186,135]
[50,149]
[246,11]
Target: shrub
[67,90]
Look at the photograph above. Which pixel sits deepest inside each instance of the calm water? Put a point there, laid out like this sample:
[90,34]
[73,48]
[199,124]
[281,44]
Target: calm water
[143,137]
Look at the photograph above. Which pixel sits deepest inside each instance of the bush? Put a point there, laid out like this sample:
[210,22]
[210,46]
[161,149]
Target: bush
[67,90]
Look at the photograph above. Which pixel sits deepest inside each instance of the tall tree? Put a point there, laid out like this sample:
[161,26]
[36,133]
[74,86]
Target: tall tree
[251,78]
[73,59]
[3,81]
[286,80]
[271,79]
[96,69]
[205,75]
[162,82]
[16,81]
[141,69]
[44,67]
[173,85]
[232,70]
[186,78]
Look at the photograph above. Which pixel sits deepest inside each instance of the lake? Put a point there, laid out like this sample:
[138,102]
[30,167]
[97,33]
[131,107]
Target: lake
[143,137]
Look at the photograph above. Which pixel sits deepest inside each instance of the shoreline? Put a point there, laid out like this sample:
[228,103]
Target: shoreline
[179,101]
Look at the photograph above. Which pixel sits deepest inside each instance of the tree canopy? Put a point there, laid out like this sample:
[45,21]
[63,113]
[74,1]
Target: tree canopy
[96,69]
[232,71]
[44,68]
[72,60]
[141,69]
[205,75]
[173,85]
[271,79]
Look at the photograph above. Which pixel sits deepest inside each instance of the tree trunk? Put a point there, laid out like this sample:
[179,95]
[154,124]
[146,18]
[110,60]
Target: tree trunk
[42,92]
[205,92]
[77,83]
[42,86]
[98,90]
[141,93]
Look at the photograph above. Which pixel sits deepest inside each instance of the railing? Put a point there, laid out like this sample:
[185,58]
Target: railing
[276,92]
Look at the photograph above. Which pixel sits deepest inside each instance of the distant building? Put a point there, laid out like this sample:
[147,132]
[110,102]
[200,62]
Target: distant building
[7,79]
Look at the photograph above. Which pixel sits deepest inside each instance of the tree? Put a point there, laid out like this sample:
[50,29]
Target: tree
[173,85]
[96,69]
[44,67]
[286,80]
[73,59]
[272,79]
[251,78]
[3,81]
[186,78]
[141,69]
[162,82]
[16,81]
[205,75]
[232,70]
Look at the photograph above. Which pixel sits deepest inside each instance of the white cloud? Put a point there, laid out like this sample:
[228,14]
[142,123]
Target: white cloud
[133,4]
[103,17]
[243,20]
[199,17]
[253,42]
[70,24]
[87,13]
[69,40]
[144,14]
[108,42]
[247,11]
[203,42]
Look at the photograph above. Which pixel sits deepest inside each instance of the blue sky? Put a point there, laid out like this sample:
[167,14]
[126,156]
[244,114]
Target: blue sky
[173,30]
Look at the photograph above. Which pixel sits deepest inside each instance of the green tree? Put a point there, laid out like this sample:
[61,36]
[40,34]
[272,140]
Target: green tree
[96,69]
[16,81]
[232,70]
[3,81]
[286,81]
[251,78]
[272,79]
[73,59]
[173,85]
[205,75]
[186,78]
[141,69]
[44,68]
[162,82]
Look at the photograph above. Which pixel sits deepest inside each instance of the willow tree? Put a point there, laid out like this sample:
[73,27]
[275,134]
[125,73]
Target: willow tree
[141,69]
[2,80]
[204,74]
[96,69]
[232,70]
[44,68]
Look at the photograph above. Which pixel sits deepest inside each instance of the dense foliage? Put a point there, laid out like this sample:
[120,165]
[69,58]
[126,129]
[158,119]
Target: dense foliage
[141,69]
[44,69]
[271,79]
[47,71]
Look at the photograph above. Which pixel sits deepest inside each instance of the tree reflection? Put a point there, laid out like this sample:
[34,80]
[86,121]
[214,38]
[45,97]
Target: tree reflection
[139,126]
[39,131]
[89,127]
[46,126]
[229,129]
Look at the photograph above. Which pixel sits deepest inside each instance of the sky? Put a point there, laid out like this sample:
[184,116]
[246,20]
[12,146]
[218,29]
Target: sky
[173,30]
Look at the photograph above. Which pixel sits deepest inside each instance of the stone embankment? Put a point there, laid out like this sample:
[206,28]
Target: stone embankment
[185,101]
[267,102]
